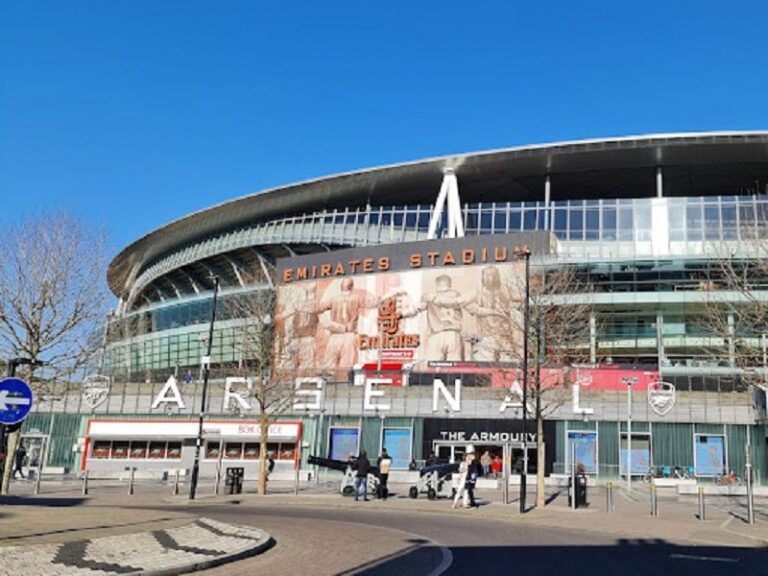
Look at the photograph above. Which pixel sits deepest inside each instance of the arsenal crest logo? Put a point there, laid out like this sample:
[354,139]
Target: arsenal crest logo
[95,389]
[661,397]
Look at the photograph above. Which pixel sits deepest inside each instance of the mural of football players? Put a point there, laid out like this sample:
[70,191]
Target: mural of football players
[304,324]
[344,310]
[491,305]
[444,317]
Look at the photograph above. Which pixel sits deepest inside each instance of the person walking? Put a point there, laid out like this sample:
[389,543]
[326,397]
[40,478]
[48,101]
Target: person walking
[473,471]
[485,462]
[384,463]
[362,467]
[468,472]
[21,453]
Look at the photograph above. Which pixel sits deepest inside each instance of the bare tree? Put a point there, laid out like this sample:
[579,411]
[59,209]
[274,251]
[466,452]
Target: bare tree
[734,312]
[53,297]
[560,310]
[273,386]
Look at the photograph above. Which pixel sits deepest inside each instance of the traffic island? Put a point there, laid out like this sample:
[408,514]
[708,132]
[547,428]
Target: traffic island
[197,545]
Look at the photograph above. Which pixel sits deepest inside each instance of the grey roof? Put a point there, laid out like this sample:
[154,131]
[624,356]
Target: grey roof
[519,170]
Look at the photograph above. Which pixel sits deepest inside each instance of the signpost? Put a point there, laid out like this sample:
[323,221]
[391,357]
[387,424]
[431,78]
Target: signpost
[15,401]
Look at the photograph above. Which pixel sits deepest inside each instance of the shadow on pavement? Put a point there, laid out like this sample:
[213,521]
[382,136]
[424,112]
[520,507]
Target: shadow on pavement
[625,558]
[37,501]
[83,529]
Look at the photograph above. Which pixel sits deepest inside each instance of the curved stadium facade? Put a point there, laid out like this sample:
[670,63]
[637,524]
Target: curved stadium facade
[646,222]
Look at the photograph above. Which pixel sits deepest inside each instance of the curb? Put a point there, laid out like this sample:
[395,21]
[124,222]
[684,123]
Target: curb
[265,543]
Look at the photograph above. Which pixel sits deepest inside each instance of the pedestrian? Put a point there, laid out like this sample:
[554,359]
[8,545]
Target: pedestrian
[21,453]
[468,472]
[473,471]
[496,466]
[485,462]
[384,463]
[362,467]
[270,464]
[431,460]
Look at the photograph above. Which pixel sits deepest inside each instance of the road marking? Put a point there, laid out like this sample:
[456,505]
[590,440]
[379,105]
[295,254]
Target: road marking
[446,561]
[702,558]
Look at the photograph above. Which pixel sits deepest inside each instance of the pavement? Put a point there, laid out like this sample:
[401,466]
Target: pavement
[110,532]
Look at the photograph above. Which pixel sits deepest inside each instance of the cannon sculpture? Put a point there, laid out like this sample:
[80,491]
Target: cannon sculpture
[435,480]
[347,487]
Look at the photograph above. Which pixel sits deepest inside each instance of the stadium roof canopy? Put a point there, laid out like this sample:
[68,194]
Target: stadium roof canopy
[694,164]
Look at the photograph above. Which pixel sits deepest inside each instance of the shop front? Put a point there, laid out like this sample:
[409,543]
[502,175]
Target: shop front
[448,438]
[159,447]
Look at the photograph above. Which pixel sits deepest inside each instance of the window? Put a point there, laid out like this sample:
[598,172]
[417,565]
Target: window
[709,454]
[139,449]
[157,450]
[586,451]
[101,449]
[252,451]
[120,449]
[233,450]
[397,441]
[286,451]
[212,450]
[641,453]
[343,443]
[174,450]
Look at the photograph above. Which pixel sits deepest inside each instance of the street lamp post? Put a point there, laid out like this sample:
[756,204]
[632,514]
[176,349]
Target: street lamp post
[525,253]
[204,401]
[629,381]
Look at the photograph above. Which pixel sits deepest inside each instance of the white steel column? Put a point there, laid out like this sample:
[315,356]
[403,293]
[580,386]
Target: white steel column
[448,198]
[547,199]
[659,183]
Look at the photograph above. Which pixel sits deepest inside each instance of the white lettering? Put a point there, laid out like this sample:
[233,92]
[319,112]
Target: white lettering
[370,394]
[514,399]
[229,394]
[171,386]
[313,398]
[454,401]
[577,409]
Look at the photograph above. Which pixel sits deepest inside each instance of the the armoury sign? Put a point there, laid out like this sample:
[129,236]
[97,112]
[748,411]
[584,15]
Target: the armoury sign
[347,307]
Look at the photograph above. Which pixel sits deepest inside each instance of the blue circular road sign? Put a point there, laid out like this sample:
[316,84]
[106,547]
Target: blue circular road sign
[15,400]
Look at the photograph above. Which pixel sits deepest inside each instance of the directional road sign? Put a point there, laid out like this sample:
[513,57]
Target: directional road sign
[15,400]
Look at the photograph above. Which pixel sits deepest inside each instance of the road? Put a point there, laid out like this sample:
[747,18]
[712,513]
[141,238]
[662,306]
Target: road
[379,542]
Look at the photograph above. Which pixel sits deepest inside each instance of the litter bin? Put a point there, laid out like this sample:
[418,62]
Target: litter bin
[234,480]
[580,491]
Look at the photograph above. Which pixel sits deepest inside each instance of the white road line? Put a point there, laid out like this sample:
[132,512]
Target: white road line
[702,558]
[445,563]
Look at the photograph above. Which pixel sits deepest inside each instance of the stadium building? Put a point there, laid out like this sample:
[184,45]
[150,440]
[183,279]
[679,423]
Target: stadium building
[385,278]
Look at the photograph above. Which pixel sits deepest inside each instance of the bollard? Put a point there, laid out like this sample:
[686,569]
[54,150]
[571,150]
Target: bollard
[176,484]
[702,512]
[609,508]
[85,483]
[654,502]
[130,481]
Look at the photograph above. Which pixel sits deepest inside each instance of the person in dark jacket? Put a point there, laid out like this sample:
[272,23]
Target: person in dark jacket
[21,453]
[473,471]
[362,467]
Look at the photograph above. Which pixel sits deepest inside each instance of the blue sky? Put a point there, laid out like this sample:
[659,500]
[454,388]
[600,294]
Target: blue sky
[134,113]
